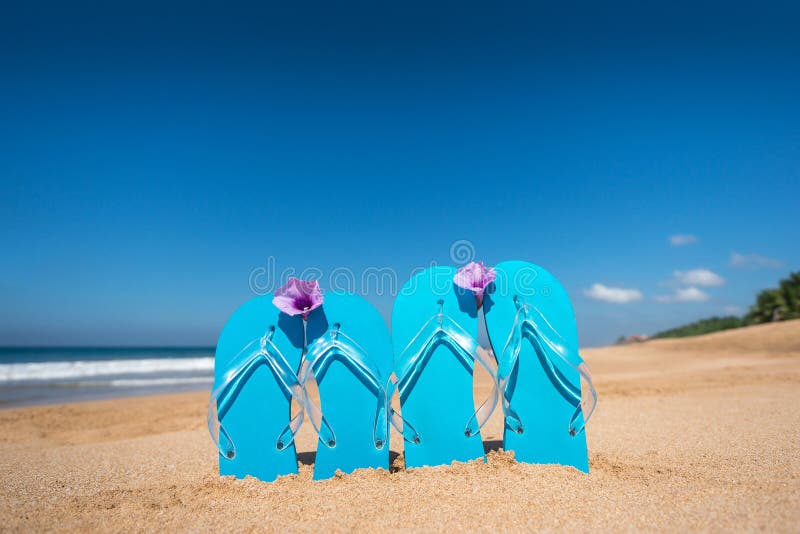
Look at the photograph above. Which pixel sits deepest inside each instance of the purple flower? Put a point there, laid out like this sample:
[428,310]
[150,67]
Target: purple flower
[298,297]
[475,277]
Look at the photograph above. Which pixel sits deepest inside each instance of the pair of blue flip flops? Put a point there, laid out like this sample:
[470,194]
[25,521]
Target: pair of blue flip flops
[266,358]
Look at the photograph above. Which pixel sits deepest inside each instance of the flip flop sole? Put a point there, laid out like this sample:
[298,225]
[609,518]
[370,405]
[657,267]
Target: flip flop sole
[535,396]
[347,402]
[440,402]
[259,409]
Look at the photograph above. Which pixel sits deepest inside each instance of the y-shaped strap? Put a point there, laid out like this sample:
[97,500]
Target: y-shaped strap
[335,343]
[530,324]
[398,421]
[253,354]
[443,330]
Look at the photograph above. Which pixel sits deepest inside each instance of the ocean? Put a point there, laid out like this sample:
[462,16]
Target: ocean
[52,375]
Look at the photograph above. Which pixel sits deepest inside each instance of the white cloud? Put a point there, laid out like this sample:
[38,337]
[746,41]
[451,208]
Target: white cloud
[732,310]
[754,261]
[684,294]
[679,240]
[617,295]
[698,277]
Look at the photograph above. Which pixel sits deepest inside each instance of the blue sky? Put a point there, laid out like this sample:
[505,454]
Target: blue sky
[153,156]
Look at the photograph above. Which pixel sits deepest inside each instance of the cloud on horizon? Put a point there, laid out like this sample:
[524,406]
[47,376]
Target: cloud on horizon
[616,295]
[679,240]
[684,294]
[754,261]
[686,285]
[697,277]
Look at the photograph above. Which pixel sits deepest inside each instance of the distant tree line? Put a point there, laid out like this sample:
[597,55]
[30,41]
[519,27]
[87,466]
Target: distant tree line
[779,304]
[703,326]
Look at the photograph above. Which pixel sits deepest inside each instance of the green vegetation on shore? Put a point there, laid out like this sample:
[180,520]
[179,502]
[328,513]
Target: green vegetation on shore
[703,326]
[779,304]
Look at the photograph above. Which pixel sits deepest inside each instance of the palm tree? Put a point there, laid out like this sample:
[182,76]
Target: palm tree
[770,306]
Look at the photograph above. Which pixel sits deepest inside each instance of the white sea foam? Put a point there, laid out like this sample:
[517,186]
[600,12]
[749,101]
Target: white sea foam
[72,370]
[151,382]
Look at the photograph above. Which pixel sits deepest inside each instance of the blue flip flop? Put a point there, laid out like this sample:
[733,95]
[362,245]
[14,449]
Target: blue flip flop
[541,376]
[349,356]
[434,326]
[249,415]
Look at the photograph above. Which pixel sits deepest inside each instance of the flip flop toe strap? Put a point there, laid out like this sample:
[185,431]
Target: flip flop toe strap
[400,424]
[335,344]
[531,325]
[443,330]
[258,351]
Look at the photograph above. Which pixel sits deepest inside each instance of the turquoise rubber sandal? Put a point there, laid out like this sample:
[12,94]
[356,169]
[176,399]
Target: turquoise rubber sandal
[351,362]
[542,377]
[434,326]
[249,414]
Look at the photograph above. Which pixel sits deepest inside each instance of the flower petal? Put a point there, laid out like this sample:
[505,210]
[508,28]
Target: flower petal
[298,297]
[475,277]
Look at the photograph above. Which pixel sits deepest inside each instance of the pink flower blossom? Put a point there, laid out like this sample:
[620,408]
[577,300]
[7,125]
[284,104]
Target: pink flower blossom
[298,297]
[475,277]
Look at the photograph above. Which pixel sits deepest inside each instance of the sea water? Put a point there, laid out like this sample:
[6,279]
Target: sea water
[48,375]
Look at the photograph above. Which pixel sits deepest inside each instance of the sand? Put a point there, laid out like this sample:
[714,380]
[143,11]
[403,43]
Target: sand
[699,434]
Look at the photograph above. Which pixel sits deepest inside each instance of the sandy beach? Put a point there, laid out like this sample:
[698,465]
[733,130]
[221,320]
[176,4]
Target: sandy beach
[700,434]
